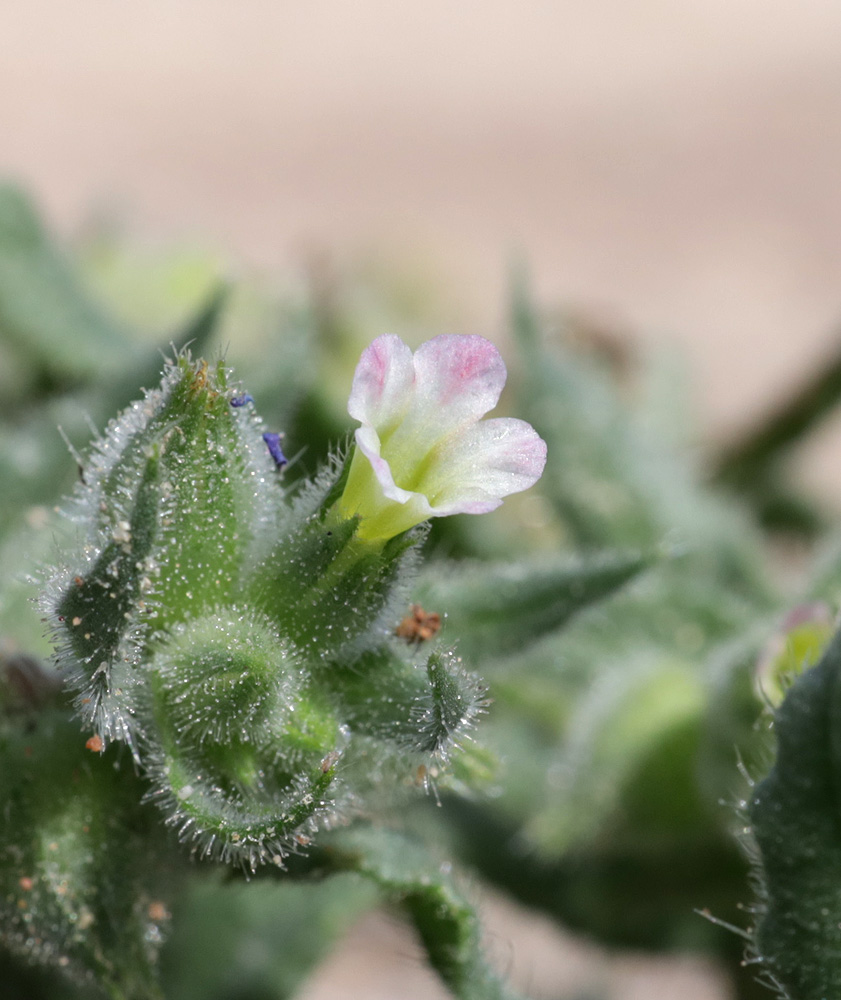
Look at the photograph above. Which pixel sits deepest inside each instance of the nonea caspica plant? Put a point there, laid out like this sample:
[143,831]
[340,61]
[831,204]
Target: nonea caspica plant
[259,675]
[239,638]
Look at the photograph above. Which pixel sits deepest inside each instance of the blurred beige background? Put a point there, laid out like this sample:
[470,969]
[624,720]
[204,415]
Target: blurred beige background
[673,165]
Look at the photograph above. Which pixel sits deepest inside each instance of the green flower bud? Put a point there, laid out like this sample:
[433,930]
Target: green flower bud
[175,499]
[240,751]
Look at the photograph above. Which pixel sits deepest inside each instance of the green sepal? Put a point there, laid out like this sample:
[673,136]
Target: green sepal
[326,588]
[455,699]
[105,596]
[419,708]
[210,482]
[94,613]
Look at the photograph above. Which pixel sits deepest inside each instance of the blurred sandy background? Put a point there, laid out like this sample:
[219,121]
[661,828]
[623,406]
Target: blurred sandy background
[672,165]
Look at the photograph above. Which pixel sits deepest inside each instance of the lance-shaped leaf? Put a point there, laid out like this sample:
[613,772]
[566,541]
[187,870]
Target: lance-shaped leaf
[614,483]
[43,310]
[795,814]
[495,609]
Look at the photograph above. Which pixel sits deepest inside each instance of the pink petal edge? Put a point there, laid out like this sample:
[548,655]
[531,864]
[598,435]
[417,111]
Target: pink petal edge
[382,382]
[463,372]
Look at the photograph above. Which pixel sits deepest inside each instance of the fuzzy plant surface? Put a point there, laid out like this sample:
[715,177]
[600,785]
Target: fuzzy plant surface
[235,639]
[286,694]
[795,822]
[231,644]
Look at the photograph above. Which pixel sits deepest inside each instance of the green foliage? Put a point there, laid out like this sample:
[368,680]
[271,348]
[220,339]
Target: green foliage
[84,871]
[235,649]
[45,318]
[496,610]
[794,813]
[444,918]
[257,940]
[189,632]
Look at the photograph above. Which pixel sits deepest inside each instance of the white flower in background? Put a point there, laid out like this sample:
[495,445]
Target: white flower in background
[423,450]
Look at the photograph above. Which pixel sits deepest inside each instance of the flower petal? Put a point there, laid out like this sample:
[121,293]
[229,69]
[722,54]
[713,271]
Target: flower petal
[382,383]
[385,509]
[422,451]
[369,444]
[457,380]
[488,461]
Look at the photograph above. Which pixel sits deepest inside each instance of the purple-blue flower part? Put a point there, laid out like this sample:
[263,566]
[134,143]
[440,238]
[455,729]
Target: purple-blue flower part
[273,444]
[242,400]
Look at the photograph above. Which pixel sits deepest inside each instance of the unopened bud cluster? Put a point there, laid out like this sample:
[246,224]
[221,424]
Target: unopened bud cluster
[240,640]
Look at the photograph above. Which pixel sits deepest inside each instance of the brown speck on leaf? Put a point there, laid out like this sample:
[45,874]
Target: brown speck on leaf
[419,625]
[329,761]
[157,911]
[95,743]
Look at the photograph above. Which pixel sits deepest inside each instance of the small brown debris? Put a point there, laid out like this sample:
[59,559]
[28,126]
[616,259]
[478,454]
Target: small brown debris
[157,911]
[419,625]
[95,743]
[26,883]
[330,761]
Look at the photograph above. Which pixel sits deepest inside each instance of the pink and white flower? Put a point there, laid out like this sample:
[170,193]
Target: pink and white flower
[423,450]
